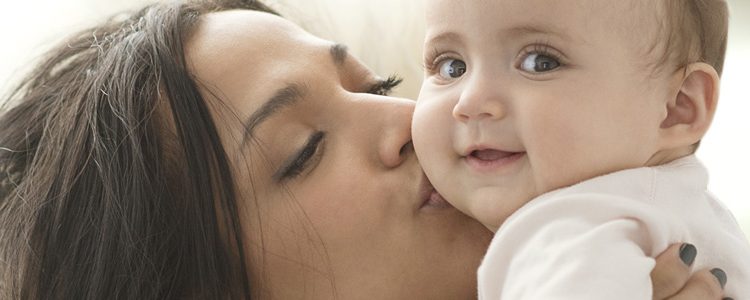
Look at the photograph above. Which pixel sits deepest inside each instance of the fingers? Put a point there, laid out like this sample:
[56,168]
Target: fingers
[672,279]
[704,284]
[672,270]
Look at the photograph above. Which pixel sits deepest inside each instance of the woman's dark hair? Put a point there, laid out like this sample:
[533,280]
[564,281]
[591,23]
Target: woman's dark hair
[113,180]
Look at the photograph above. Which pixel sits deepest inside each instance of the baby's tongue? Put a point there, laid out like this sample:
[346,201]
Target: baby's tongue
[490,154]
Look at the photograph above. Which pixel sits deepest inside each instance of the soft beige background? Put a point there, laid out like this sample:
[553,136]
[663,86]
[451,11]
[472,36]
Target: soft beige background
[386,34]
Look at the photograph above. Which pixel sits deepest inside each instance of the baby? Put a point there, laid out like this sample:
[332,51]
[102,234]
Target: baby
[569,127]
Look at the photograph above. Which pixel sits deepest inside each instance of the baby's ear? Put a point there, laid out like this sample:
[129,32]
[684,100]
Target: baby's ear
[690,112]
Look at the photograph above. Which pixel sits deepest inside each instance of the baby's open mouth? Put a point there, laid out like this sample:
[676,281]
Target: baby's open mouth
[491,154]
[491,160]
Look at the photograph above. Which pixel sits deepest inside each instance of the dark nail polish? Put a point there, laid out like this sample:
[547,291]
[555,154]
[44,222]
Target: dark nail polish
[727,298]
[688,253]
[720,275]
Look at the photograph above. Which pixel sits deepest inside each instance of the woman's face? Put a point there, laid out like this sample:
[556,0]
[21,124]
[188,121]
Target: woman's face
[332,199]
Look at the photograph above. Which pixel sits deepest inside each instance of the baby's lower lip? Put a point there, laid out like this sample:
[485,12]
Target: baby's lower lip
[490,160]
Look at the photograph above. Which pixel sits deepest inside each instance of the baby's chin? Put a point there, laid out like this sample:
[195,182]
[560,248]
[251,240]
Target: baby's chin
[491,206]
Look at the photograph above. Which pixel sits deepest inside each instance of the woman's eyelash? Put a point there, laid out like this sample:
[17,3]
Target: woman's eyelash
[384,87]
[297,164]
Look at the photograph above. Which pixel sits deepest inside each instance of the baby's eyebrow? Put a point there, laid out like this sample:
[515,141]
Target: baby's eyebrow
[538,29]
[443,37]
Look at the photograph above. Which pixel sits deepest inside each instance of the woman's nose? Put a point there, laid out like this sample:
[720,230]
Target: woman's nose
[395,145]
[480,100]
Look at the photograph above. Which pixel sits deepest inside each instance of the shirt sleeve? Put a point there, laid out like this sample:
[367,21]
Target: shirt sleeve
[585,246]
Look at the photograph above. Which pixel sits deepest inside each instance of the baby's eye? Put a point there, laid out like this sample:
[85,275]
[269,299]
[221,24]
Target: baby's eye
[539,63]
[452,68]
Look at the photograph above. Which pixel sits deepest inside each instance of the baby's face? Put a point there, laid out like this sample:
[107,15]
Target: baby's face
[525,96]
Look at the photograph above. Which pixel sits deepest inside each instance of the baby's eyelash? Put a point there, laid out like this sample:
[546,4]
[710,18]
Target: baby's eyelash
[386,86]
[543,48]
[430,60]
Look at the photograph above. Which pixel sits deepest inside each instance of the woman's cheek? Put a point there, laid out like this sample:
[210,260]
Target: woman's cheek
[340,202]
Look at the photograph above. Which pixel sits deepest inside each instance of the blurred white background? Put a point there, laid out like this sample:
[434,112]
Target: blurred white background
[386,34]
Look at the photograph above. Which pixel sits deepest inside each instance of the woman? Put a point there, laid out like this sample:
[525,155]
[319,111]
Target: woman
[195,151]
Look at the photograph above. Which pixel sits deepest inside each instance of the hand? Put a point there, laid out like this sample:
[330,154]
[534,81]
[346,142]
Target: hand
[673,280]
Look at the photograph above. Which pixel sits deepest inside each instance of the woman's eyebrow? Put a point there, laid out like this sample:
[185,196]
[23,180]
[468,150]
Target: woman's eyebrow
[287,96]
[338,53]
[284,97]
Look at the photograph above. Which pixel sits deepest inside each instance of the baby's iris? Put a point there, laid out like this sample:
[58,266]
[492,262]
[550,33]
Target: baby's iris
[452,68]
[539,63]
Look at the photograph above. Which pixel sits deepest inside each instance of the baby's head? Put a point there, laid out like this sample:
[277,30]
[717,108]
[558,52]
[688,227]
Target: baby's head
[522,97]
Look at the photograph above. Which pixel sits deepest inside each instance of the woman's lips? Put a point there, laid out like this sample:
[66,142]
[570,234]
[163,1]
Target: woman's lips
[435,200]
[431,198]
[487,160]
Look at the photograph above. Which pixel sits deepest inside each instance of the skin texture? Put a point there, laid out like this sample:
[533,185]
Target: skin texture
[597,106]
[320,239]
[354,222]
[358,221]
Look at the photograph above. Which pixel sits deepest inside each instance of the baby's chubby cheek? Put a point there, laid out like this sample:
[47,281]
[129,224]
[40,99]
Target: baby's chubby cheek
[433,143]
[428,144]
[429,127]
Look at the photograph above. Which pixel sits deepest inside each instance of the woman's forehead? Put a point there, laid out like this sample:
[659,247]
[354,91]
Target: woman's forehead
[244,24]
[233,39]
[245,54]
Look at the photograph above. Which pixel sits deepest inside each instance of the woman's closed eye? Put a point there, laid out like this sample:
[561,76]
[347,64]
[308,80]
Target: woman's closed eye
[309,155]
[304,159]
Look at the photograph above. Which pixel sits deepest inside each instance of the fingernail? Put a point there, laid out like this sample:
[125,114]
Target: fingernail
[727,298]
[720,275]
[687,253]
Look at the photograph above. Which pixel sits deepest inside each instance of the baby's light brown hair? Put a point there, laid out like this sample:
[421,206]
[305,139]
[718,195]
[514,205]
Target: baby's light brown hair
[695,31]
